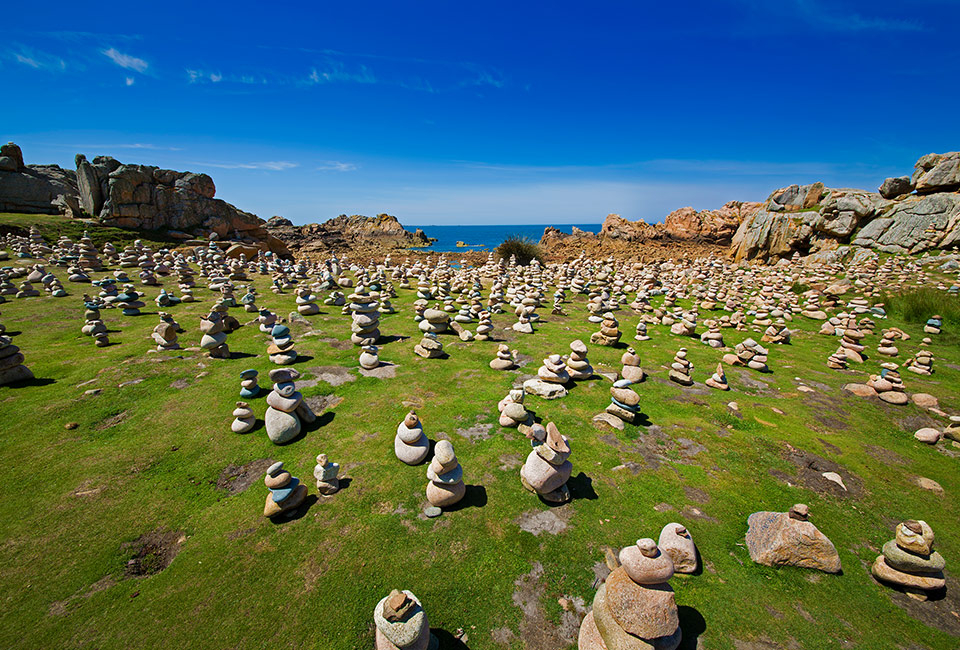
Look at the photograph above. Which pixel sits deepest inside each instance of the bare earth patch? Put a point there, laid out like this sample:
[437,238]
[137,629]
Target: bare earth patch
[234,479]
[538,632]
[320,403]
[942,611]
[810,470]
[153,552]
[476,432]
[553,521]
[383,371]
[111,421]
[333,375]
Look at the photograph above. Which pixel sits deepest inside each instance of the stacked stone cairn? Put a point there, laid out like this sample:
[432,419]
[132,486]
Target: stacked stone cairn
[777,333]
[369,359]
[435,320]
[548,468]
[524,324]
[624,403]
[837,360]
[248,383]
[286,492]
[578,366]
[306,302]
[429,346]
[484,327]
[851,341]
[281,351]
[326,474]
[889,385]
[214,339]
[446,486]
[512,411]
[888,343]
[635,607]
[335,299]
[749,353]
[286,408]
[909,562]
[11,363]
[165,333]
[244,419]
[685,326]
[681,369]
[934,325]
[401,624]
[718,379]
[609,334]
[713,336]
[504,360]
[411,445]
[365,311]
[129,301]
[642,332]
[921,363]
[631,370]
[266,320]
[676,542]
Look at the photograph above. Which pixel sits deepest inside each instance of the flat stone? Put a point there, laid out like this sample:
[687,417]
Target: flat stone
[882,571]
[544,389]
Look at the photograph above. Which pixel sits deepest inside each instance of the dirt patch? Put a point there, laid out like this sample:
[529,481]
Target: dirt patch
[503,636]
[333,375]
[833,449]
[940,612]
[536,630]
[111,421]
[553,521]
[810,470]
[764,643]
[153,552]
[337,344]
[748,383]
[63,607]
[320,403]
[179,384]
[826,409]
[916,421]
[696,513]
[690,448]
[234,479]
[696,494]
[510,461]
[384,371]
[884,455]
[476,432]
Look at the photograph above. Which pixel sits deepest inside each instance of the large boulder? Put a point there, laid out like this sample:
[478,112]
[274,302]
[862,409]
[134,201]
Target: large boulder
[896,186]
[937,172]
[843,210]
[91,195]
[31,189]
[11,158]
[616,227]
[915,224]
[714,226]
[795,197]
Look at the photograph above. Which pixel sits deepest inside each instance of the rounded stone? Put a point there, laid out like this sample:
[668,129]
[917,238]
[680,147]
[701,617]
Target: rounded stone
[281,426]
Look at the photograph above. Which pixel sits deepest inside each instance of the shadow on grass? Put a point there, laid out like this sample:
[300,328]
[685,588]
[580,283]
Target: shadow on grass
[241,355]
[393,338]
[448,641]
[298,513]
[302,358]
[36,381]
[693,625]
[474,497]
[581,487]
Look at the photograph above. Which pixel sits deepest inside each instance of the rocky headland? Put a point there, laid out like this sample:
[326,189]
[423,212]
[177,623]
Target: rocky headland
[357,233]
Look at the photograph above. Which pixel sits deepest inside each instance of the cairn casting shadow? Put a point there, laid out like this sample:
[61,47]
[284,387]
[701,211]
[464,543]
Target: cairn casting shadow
[693,625]
[448,641]
[581,487]
[242,355]
[474,497]
[298,513]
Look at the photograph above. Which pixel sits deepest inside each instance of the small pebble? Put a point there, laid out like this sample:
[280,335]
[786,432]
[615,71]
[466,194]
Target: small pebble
[433,511]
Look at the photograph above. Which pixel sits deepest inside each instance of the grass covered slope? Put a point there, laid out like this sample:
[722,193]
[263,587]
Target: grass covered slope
[146,473]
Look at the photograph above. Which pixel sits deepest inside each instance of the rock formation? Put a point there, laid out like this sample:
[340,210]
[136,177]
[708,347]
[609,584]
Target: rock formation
[790,539]
[354,233]
[32,189]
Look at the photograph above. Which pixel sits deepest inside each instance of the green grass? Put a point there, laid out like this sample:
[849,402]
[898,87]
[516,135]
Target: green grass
[919,304]
[53,226]
[147,457]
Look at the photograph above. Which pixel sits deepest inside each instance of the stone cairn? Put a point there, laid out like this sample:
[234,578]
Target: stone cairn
[434,321]
[484,327]
[837,360]
[11,363]
[286,492]
[685,326]
[248,383]
[369,359]
[624,404]
[934,325]
[411,445]
[286,407]
[548,468]
[266,320]
[641,332]
[244,419]
[749,353]
[165,333]
[401,623]
[578,366]
[365,311]
[889,385]
[609,334]
[429,346]
[306,302]
[504,360]
[888,343]
[93,325]
[777,333]
[524,324]
[281,351]
[713,336]
[335,299]
[676,542]
[326,474]
[681,369]
[249,301]
[921,363]
[512,411]
[718,379]
[909,562]
[790,539]
[631,370]
[635,607]
[214,339]
[446,486]
[129,301]
[851,341]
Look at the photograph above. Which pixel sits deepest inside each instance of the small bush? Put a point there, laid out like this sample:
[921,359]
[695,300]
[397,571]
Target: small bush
[524,248]
[800,287]
[917,305]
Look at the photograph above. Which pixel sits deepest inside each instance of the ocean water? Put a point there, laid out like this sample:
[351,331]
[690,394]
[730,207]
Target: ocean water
[488,237]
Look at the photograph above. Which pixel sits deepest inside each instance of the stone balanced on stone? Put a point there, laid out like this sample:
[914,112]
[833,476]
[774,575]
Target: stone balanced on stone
[550,378]
[286,492]
[326,474]
[676,542]
[446,486]
[609,334]
[909,562]
[921,363]
[681,368]
[369,359]
[548,468]
[281,350]
[248,383]
[165,334]
[578,366]
[512,411]
[635,607]
[12,369]
[429,346]
[889,385]
[401,624]
[244,419]
[718,380]
[410,444]
[365,311]
[790,539]
[286,407]
[306,302]
[214,339]
[749,353]
[631,370]
[933,325]
[435,320]
[504,360]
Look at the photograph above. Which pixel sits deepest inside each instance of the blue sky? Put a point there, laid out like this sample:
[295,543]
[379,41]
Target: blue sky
[443,112]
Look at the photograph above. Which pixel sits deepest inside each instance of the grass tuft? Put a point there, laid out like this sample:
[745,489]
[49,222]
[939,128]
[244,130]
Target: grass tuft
[918,305]
[524,248]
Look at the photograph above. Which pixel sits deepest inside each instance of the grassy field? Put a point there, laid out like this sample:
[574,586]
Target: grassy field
[87,476]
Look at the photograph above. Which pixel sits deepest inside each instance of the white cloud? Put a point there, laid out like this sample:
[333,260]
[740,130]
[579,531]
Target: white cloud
[271,165]
[335,71]
[125,60]
[129,81]
[39,60]
[336,166]
[25,60]
[216,77]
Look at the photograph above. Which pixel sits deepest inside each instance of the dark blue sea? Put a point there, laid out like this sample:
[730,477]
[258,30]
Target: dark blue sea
[488,237]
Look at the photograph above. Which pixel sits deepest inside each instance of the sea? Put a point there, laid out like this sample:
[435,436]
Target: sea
[488,237]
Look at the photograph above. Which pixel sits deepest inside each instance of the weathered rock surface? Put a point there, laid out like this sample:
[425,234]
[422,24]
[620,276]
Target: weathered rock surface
[774,539]
[346,233]
[31,189]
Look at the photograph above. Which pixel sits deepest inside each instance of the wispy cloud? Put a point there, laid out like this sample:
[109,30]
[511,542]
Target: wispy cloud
[129,81]
[201,76]
[338,72]
[126,61]
[39,60]
[336,166]
[270,165]
[829,17]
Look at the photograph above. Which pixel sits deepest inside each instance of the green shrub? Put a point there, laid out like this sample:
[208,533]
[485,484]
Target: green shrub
[524,248]
[917,305]
[800,287]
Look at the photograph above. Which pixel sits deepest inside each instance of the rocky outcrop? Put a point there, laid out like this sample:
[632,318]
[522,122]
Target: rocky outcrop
[31,189]
[713,226]
[356,234]
[812,218]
